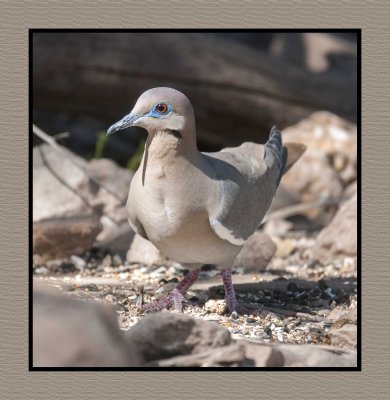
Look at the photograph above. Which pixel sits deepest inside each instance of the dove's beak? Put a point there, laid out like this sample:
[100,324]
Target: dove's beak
[125,122]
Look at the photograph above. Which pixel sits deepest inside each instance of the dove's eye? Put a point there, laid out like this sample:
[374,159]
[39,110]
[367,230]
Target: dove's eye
[161,108]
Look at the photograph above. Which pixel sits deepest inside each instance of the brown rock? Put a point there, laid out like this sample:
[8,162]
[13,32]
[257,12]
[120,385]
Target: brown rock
[165,334]
[309,180]
[61,237]
[345,336]
[328,165]
[74,333]
[256,253]
[327,132]
[144,252]
[339,238]
[175,340]
[338,314]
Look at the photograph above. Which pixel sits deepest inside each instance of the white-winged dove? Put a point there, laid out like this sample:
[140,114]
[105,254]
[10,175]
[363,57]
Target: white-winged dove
[198,208]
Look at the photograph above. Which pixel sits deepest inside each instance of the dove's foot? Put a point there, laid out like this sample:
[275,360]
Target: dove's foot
[176,297]
[230,296]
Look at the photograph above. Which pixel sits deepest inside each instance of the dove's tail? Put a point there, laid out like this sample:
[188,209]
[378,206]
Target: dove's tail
[285,155]
[275,147]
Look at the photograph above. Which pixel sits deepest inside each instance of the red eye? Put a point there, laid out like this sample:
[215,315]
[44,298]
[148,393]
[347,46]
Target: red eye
[161,108]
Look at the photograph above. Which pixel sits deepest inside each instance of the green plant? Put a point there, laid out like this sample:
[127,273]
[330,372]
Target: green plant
[101,141]
[135,160]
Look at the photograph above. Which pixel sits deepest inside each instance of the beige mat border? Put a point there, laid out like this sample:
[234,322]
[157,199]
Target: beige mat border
[15,19]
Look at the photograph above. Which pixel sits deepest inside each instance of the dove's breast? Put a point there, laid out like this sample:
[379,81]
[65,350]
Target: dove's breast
[173,213]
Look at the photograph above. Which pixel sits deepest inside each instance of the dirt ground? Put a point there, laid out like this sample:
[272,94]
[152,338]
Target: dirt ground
[296,301]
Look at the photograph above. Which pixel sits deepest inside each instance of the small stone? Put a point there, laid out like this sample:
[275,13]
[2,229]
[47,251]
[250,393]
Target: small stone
[107,261]
[78,262]
[234,315]
[41,270]
[110,298]
[215,306]
[117,260]
[323,313]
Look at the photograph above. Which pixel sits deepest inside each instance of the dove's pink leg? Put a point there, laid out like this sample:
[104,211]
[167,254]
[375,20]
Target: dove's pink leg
[230,295]
[176,297]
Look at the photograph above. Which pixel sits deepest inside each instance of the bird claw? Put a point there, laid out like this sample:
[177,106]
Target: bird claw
[175,297]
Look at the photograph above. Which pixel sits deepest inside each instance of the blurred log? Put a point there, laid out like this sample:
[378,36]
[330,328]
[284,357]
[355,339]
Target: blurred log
[238,93]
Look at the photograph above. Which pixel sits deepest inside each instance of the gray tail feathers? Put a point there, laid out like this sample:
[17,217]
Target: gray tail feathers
[275,147]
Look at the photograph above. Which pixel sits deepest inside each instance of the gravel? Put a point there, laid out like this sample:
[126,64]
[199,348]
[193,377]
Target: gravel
[293,297]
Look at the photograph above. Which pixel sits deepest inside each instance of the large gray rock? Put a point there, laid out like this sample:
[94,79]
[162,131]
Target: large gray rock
[54,177]
[164,334]
[344,336]
[74,333]
[250,354]
[62,189]
[295,355]
[144,252]
[256,253]
[232,355]
[175,340]
[339,238]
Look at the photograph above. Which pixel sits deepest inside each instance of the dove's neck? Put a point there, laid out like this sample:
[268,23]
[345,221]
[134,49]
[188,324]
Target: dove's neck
[166,146]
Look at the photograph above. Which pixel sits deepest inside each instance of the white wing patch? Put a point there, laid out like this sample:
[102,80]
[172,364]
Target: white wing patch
[225,233]
[170,213]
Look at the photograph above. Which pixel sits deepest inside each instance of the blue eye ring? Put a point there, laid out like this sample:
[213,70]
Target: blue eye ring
[160,109]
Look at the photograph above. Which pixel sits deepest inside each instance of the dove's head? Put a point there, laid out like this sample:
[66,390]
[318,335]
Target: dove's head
[160,110]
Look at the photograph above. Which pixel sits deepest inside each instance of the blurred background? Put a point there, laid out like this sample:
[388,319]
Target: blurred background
[240,83]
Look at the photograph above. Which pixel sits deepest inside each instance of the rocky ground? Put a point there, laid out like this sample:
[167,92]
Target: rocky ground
[298,273]
[296,302]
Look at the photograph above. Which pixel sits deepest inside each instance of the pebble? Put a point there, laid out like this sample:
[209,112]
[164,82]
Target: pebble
[107,261]
[117,260]
[41,270]
[110,298]
[267,327]
[78,262]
